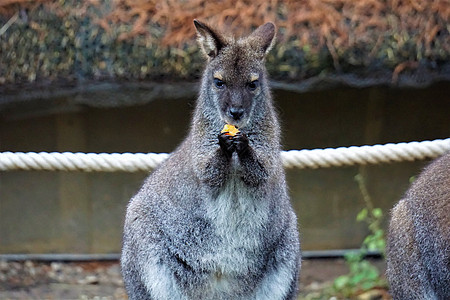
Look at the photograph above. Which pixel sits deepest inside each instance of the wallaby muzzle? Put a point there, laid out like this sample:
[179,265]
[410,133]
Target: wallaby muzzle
[236,112]
[236,107]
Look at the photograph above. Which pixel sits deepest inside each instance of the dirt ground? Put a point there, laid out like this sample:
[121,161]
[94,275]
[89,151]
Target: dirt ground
[102,280]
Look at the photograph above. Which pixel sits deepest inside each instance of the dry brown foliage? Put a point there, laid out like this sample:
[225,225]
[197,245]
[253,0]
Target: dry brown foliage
[9,7]
[334,23]
[315,35]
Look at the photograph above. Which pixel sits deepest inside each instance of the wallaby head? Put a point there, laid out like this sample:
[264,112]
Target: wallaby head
[234,80]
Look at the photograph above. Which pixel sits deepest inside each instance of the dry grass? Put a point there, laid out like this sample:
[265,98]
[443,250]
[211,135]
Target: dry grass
[314,35]
[334,23]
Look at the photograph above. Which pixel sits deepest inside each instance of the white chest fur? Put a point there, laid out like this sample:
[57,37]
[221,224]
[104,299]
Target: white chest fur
[237,216]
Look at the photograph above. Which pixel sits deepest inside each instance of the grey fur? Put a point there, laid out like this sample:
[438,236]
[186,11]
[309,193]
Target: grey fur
[214,221]
[418,249]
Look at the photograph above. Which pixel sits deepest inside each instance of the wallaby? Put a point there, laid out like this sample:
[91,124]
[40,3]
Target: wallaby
[418,248]
[214,221]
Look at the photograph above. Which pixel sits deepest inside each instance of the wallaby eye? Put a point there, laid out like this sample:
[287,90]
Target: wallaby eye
[220,84]
[253,85]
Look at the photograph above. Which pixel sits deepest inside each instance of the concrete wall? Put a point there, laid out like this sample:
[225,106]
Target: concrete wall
[59,212]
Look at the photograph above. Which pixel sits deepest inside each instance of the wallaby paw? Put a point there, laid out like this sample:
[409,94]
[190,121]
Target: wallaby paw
[226,143]
[240,141]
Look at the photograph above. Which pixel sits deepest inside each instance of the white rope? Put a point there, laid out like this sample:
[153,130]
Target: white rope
[324,158]
[133,162]
[87,162]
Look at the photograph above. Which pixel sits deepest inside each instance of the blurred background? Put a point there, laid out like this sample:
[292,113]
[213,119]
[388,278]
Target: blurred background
[122,76]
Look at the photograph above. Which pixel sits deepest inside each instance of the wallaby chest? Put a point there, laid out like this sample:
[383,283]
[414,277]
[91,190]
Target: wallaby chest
[238,219]
[237,216]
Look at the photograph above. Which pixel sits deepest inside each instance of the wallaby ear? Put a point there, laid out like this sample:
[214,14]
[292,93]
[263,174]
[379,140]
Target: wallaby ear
[263,38]
[210,41]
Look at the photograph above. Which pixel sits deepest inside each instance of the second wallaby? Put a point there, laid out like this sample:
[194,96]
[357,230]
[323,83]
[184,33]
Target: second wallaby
[418,249]
[214,221]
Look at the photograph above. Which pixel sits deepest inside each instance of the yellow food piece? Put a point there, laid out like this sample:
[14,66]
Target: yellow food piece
[230,130]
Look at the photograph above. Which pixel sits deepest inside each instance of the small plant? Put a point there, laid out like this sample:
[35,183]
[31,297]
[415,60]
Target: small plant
[375,241]
[363,276]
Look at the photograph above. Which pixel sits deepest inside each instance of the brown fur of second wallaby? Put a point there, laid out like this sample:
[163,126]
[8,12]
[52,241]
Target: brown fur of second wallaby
[418,248]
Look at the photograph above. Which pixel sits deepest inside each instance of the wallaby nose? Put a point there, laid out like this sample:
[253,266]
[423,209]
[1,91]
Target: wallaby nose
[236,112]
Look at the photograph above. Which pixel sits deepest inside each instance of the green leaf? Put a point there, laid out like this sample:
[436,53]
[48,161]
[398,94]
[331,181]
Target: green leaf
[341,282]
[362,215]
[372,274]
[358,278]
[377,213]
